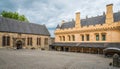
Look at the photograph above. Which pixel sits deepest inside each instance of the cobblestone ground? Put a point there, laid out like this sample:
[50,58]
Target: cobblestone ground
[36,59]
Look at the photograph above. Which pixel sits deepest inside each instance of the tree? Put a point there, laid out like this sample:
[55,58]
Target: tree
[13,15]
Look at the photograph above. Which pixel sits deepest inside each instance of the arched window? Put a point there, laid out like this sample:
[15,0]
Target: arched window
[63,38]
[69,39]
[87,37]
[82,37]
[73,37]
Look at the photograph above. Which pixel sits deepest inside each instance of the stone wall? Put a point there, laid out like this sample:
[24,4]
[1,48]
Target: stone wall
[111,36]
[34,40]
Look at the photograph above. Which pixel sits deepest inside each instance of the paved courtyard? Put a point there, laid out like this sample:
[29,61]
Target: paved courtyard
[36,59]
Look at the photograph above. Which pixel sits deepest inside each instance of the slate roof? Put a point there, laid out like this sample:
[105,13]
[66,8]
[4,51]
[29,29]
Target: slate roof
[90,45]
[15,26]
[91,21]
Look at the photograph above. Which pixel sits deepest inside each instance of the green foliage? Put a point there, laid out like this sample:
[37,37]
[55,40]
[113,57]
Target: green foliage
[13,15]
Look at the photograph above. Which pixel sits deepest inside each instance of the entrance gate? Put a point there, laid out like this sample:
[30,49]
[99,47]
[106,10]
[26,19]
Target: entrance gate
[19,44]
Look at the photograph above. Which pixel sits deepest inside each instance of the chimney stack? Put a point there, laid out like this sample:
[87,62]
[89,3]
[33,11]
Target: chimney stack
[109,14]
[62,22]
[77,22]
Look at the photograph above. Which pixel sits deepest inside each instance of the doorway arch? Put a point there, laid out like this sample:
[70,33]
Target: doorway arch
[19,44]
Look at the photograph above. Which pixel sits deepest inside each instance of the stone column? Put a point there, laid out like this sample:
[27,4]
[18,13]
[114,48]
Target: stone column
[98,50]
[63,48]
[55,48]
[100,37]
[82,50]
[85,37]
[89,50]
[11,41]
[69,49]
[66,38]
[42,42]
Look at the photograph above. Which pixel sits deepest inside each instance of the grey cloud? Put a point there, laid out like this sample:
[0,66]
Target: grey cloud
[52,12]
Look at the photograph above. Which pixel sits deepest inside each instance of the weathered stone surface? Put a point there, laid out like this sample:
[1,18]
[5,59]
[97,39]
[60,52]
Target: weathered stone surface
[37,59]
[25,36]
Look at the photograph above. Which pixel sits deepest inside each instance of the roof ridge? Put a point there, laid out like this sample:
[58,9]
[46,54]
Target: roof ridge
[16,26]
[20,21]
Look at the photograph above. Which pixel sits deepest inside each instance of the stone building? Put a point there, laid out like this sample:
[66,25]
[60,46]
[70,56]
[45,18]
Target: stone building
[52,40]
[17,34]
[90,35]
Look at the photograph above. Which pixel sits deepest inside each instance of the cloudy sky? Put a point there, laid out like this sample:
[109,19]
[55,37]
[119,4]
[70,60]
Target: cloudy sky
[52,12]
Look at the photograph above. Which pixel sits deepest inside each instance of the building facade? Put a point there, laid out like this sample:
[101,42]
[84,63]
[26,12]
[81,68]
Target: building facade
[18,35]
[90,35]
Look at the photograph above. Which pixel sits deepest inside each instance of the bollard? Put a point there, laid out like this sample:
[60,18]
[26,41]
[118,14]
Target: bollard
[116,60]
[119,62]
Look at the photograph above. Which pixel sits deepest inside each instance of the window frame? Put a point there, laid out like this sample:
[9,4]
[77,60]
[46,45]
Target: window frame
[87,37]
[6,40]
[82,36]
[104,35]
[97,37]
[73,37]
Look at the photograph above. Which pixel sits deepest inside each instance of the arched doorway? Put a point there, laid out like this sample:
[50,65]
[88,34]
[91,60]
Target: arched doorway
[19,44]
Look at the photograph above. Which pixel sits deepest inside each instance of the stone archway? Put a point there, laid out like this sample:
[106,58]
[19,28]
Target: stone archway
[19,44]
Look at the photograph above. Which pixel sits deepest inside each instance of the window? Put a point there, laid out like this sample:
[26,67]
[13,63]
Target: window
[103,37]
[38,41]
[6,40]
[29,41]
[88,38]
[46,41]
[69,38]
[97,37]
[3,41]
[82,37]
[73,37]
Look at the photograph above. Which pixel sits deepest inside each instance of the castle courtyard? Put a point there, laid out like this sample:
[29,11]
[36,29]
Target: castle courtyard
[37,59]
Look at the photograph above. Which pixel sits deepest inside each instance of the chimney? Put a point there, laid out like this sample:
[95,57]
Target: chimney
[109,14]
[62,22]
[77,22]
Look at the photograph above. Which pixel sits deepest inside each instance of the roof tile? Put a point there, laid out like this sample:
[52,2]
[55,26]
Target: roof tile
[15,26]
